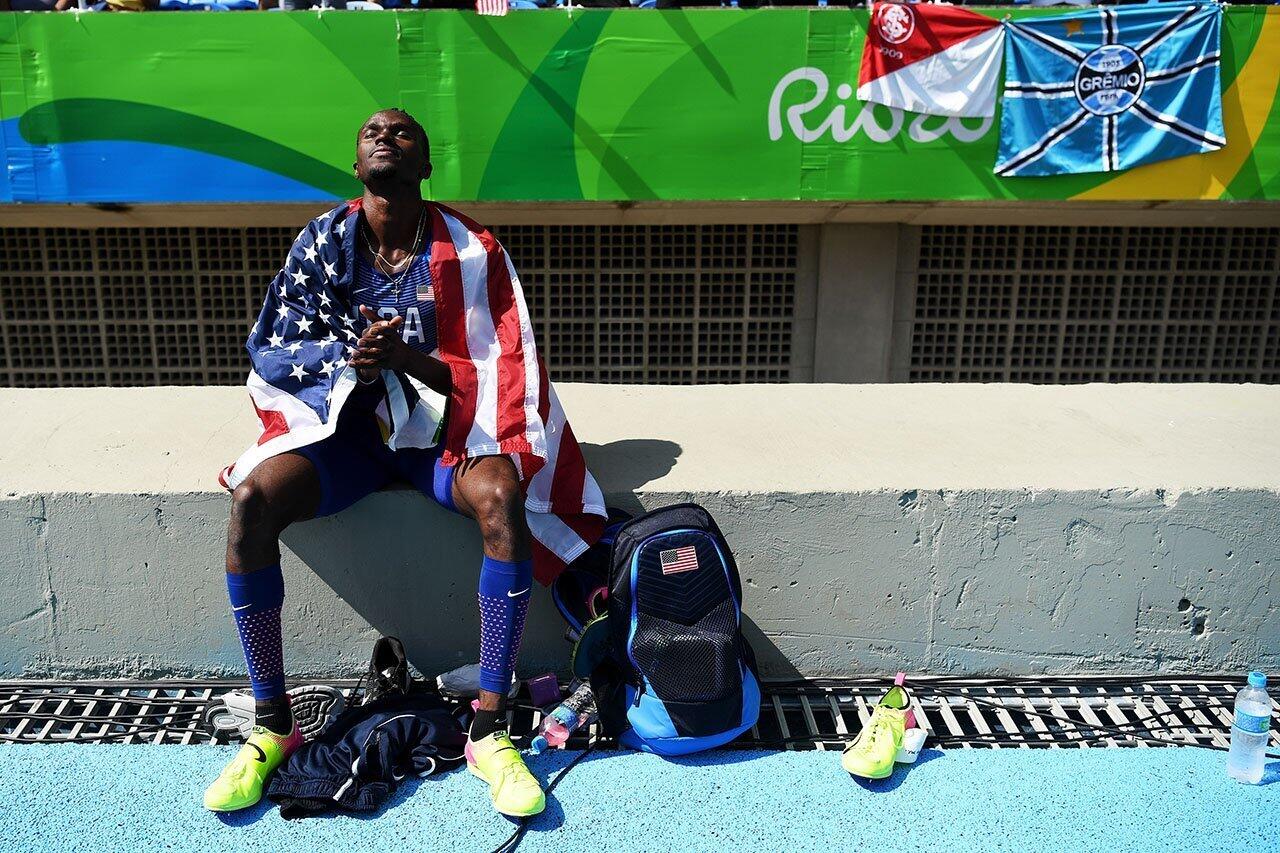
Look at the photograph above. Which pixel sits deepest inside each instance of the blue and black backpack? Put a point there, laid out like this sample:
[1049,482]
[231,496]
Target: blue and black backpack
[679,676]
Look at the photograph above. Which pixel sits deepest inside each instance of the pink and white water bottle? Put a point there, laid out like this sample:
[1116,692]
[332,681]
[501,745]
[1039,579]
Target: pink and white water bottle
[576,711]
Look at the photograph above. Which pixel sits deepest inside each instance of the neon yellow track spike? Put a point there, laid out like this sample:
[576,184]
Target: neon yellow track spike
[872,755]
[241,782]
[514,790]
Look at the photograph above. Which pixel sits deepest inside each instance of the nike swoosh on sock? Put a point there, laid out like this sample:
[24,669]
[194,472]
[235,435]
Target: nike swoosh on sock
[517,594]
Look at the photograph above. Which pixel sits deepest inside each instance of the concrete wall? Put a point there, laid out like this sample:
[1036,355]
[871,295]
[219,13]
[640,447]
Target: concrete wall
[857,285]
[948,529]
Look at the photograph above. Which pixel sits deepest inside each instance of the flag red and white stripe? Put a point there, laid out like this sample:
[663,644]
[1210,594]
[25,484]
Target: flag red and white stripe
[933,59]
[492,7]
[503,401]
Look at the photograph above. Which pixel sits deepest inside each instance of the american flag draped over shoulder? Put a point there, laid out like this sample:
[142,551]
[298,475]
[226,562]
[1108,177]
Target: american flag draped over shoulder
[501,403]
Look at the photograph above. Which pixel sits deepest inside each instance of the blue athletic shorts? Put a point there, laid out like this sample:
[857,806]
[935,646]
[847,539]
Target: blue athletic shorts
[354,462]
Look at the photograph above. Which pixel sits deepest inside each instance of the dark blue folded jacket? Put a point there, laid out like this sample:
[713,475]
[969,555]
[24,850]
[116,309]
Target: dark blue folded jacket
[357,762]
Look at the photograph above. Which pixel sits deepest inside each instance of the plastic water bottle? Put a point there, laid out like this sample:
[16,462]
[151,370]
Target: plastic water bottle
[578,710]
[1249,731]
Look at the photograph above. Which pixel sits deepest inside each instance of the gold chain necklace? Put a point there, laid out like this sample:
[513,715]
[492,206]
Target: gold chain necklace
[389,272]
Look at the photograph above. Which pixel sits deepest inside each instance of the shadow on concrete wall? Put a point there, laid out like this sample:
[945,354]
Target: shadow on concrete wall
[409,568]
[623,468]
[771,662]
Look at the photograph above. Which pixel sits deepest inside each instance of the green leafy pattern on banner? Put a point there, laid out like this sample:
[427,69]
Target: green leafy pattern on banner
[612,105]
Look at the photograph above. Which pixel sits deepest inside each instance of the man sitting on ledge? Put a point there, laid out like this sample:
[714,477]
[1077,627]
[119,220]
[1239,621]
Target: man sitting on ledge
[442,388]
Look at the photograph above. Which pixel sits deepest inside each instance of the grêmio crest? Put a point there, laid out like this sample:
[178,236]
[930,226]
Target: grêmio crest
[1110,79]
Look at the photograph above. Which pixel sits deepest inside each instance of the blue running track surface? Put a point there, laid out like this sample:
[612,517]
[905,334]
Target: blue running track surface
[140,798]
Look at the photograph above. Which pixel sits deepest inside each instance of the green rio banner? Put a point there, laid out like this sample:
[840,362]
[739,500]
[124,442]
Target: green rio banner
[597,105]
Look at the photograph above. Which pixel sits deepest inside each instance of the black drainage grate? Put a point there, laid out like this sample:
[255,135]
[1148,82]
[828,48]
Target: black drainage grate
[1072,712]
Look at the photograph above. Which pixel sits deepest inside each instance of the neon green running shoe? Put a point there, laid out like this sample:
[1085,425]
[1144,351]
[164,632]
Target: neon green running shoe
[240,783]
[878,745]
[514,790]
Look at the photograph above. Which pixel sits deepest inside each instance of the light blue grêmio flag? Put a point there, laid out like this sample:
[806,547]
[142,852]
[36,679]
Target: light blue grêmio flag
[1109,89]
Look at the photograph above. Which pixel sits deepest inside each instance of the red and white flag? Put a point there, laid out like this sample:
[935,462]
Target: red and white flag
[939,60]
[492,7]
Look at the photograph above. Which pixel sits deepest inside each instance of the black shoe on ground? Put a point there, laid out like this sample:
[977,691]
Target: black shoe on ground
[388,671]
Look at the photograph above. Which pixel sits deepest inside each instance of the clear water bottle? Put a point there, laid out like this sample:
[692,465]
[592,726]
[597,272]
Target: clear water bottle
[578,710]
[1250,730]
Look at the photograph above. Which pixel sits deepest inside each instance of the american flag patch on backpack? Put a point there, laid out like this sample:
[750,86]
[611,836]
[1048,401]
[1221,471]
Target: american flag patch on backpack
[676,560]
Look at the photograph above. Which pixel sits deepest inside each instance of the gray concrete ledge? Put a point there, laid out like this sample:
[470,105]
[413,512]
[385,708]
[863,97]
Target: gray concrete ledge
[957,529]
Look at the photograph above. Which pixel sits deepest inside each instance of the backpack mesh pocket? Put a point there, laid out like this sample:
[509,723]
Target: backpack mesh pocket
[689,663]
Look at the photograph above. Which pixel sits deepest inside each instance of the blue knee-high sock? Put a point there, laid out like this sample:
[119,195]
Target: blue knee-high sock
[504,604]
[256,599]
